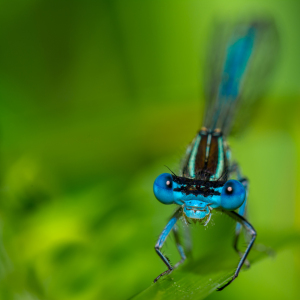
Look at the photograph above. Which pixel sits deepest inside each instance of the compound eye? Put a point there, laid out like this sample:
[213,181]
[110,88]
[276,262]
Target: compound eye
[163,188]
[233,195]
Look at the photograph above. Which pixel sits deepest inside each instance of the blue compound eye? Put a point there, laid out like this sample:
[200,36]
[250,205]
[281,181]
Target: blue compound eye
[163,188]
[233,195]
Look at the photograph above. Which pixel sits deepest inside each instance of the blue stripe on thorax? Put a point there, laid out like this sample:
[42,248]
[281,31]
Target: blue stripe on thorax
[221,160]
[222,157]
[192,160]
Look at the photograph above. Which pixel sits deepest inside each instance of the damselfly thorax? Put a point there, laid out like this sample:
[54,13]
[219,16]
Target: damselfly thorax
[208,157]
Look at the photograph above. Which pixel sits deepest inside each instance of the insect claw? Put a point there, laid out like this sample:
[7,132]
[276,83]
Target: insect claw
[226,284]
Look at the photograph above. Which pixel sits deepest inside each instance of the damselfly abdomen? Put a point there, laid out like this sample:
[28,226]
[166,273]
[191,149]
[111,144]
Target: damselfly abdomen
[242,56]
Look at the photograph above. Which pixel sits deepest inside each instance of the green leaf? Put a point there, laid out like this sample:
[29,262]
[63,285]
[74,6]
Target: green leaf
[196,279]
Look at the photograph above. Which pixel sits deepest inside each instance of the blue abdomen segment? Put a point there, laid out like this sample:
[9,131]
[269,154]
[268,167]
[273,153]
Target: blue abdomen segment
[231,63]
[238,55]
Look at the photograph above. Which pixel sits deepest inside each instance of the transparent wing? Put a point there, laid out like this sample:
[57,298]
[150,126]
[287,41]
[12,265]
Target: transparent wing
[241,59]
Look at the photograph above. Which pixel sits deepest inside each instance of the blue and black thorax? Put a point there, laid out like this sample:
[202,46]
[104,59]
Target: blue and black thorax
[208,157]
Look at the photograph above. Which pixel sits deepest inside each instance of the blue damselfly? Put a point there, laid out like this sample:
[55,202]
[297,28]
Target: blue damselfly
[240,59]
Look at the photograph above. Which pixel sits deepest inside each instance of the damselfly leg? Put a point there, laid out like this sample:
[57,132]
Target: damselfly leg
[179,246]
[161,240]
[241,211]
[249,228]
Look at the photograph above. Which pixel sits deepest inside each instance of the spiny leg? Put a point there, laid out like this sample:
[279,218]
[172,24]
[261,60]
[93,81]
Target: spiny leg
[252,232]
[179,246]
[161,240]
[187,240]
[241,211]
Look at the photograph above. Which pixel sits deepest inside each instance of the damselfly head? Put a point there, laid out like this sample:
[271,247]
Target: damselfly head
[199,197]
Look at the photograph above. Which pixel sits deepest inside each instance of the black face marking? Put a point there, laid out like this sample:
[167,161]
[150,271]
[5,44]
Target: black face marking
[201,183]
[197,187]
[188,190]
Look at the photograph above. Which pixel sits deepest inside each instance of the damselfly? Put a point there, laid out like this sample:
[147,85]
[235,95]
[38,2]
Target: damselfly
[241,57]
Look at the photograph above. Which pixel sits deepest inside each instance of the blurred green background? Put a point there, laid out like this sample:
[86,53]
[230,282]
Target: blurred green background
[96,97]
